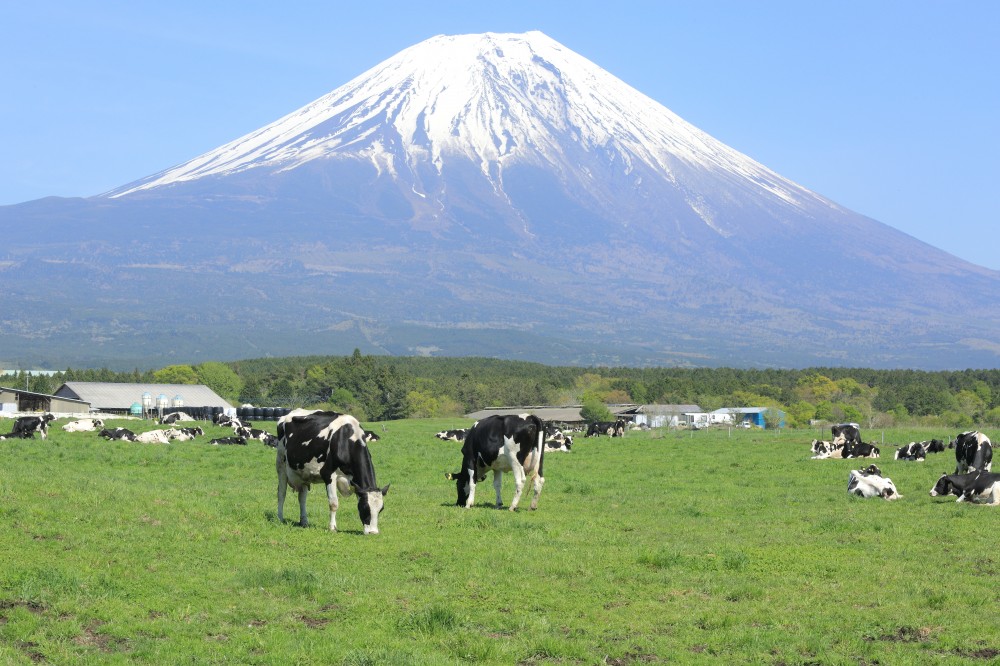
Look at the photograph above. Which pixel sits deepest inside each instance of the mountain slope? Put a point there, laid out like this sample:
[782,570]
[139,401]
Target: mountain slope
[498,195]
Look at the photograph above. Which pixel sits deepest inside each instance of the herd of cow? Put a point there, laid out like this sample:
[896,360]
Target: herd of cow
[315,446]
[972,481]
[25,427]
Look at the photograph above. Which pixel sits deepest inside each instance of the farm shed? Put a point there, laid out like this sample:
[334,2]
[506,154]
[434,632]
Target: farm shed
[116,398]
[567,414]
[17,400]
[658,416]
[752,415]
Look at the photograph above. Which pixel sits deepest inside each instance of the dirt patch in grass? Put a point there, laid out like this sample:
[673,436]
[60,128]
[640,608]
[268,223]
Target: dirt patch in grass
[92,638]
[632,658]
[28,648]
[313,622]
[906,635]
[981,653]
[32,606]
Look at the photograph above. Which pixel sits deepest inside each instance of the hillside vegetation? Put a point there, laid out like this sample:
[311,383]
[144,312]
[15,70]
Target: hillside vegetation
[392,387]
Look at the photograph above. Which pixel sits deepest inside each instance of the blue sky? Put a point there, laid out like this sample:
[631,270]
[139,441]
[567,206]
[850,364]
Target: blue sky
[889,108]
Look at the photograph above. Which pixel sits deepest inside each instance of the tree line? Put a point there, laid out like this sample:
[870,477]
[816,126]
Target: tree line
[376,388]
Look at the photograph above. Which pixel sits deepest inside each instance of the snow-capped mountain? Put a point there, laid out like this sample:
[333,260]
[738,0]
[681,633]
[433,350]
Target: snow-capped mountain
[499,194]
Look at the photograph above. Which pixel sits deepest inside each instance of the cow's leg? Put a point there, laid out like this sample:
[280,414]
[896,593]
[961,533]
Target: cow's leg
[471,488]
[519,477]
[539,482]
[331,495]
[497,483]
[303,492]
[282,489]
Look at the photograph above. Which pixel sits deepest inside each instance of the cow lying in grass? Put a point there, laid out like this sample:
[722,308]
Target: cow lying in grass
[869,482]
[970,487]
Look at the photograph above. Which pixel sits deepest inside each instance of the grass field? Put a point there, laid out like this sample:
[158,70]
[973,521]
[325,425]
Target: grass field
[686,548]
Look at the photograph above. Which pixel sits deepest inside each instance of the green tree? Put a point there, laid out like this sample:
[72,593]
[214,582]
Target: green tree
[594,410]
[176,374]
[220,378]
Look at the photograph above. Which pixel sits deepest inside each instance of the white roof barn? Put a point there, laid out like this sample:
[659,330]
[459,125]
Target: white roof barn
[111,396]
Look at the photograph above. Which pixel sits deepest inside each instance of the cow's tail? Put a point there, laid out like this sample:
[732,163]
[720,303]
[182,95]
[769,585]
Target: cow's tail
[541,445]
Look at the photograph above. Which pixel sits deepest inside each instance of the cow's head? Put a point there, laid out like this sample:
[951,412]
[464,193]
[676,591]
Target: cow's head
[461,484]
[942,487]
[872,469]
[370,504]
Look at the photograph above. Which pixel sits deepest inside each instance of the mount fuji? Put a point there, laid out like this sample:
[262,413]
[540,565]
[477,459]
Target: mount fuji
[495,195]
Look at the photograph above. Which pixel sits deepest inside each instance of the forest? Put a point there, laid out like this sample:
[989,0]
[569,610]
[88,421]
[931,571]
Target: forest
[379,388]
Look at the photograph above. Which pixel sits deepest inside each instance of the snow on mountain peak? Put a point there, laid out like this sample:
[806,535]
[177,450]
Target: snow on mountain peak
[491,98]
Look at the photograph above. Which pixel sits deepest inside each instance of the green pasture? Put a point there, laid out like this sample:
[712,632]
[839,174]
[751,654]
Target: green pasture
[712,547]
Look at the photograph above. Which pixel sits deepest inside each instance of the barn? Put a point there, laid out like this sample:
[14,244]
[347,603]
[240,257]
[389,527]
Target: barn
[14,400]
[114,398]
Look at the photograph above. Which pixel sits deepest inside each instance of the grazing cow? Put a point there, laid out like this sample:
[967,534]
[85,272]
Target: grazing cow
[869,482]
[26,426]
[610,428]
[238,441]
[152,437]
[83,425]
[846,433]
[502,444]
[973,452]
[457,435]
[117,433]
[969,487]
[823,449]
[327,447]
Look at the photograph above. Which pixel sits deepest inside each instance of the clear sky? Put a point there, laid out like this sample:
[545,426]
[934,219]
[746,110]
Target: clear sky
[888,107]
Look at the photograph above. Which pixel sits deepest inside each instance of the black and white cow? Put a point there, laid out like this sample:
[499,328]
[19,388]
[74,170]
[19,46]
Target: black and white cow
[511,443]
[869,482]
[911,451]
[258,434]
[918,450]
[184,434]
[226,441]
[83,425]
[973,452]
[611,428]
[846,433]
[823,449]
[26,426]
[860,450]
[969,487]
[223,419]
[329,448]
[117,433]
[456,435]
[556,439]
[174,417]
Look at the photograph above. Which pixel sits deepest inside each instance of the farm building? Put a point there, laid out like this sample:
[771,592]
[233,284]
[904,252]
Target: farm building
[568,414]
[753,416]
[658,416]
[17,400]
[115,398]
[654,416]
